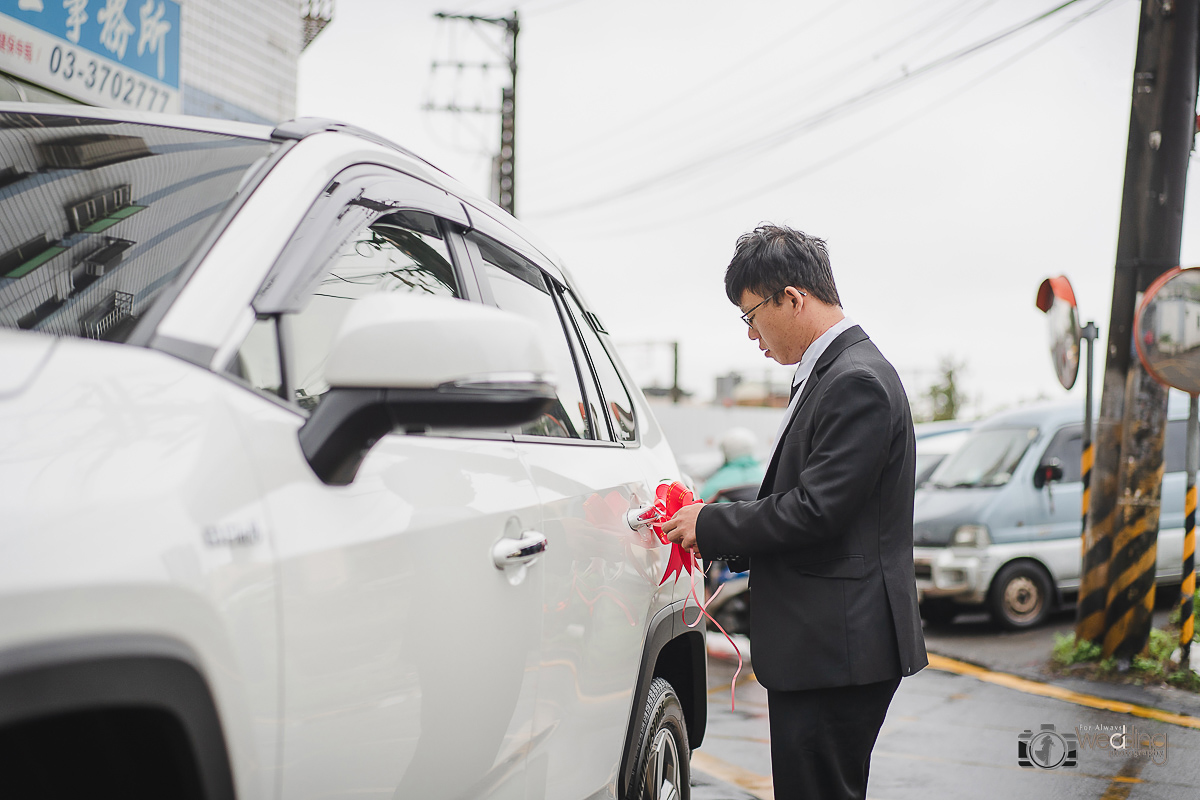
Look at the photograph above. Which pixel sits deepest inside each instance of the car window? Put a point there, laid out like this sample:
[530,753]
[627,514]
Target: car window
[517,285]
[591,389]
[926,464]
[617,404]
[987,458]
[100,217]
[1067,448]
[397,253]
[256,362]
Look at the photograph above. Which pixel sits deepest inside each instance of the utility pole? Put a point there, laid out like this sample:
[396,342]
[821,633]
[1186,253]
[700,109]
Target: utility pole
[504,165]
[676,392]
[1117,589]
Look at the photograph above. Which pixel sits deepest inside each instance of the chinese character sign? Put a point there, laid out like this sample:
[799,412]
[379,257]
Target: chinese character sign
[115,53]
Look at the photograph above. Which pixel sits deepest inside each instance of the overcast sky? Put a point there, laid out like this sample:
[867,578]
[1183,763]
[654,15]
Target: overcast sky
[651,133]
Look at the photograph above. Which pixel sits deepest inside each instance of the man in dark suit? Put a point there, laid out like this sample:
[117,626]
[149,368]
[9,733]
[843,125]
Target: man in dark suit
[834,624]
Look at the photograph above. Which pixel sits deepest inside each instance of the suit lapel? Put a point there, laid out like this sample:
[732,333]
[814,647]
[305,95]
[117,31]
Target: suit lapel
[852,335]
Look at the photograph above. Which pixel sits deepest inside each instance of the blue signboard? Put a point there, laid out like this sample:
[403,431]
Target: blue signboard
[115,53]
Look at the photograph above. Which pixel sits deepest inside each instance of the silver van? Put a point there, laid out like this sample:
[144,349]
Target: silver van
[988,530]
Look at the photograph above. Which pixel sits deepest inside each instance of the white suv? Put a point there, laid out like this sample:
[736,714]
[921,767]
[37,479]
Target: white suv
[314,482]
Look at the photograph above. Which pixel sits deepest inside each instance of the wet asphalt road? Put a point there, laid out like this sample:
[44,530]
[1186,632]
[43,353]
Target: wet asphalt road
[948,735]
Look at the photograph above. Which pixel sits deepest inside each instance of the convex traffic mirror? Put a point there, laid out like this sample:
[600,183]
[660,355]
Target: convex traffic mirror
[1167,329]
[1057,299]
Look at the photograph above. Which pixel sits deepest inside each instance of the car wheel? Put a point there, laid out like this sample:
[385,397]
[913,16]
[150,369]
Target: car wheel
[939,611]
[663,767]
[1020,596]
[734,614]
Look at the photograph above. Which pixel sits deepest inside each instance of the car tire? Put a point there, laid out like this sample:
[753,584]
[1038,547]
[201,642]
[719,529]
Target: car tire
[1020,596]
[662,770]
[939,612]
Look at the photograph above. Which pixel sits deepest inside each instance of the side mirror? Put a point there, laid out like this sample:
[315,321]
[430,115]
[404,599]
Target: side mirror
[407,361]
[1047,473]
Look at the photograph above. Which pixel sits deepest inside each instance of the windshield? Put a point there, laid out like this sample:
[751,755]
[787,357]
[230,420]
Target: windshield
[987,458]
[98,217]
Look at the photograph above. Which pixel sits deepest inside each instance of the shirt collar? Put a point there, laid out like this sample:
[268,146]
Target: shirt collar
[818,348]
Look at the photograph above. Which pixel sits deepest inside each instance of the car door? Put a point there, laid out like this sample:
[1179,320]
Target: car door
[1169,555]
[1057,507]
[410,661]
[600,576]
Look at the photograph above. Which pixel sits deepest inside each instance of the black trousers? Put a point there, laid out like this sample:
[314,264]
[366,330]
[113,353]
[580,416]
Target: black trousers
[821,739]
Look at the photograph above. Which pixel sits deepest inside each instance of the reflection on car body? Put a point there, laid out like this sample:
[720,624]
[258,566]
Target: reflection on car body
[335,458]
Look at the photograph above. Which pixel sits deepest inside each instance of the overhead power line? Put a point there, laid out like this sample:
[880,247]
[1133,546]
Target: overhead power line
[723,73]
[781,136]
[732,110]
[863,144]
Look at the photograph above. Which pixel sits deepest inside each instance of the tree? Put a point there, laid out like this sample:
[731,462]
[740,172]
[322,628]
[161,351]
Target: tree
[945,398]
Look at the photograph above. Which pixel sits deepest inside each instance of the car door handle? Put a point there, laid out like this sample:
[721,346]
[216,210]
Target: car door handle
[643,517]
[515,552]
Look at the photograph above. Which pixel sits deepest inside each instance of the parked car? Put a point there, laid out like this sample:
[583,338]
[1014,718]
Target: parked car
[990,530]
[936,441]
[315,477]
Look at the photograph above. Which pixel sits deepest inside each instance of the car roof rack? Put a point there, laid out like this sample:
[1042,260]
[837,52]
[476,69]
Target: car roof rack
[302,127]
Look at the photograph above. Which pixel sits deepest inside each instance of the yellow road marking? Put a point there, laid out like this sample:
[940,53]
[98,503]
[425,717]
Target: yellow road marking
[1128,774]
[759,786]
[1008,681]
[754,739]
[745,677]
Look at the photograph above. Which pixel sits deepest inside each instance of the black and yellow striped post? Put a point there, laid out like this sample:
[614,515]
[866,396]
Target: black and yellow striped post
[1089,457]
[1100,524]
[1188,590]
[1131,567]
[1127,474]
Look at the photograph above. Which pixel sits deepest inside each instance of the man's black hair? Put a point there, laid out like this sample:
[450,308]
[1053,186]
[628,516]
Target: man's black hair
[772,257]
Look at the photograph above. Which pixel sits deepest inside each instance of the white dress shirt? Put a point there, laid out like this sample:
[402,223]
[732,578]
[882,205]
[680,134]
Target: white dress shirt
[804,370]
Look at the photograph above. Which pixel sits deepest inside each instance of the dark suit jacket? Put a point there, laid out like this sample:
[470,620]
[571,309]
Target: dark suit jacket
[830,539]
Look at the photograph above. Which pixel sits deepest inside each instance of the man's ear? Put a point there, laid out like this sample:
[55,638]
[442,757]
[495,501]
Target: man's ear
[794,297]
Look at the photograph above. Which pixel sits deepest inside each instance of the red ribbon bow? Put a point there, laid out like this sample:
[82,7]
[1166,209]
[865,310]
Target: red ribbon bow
[670,497]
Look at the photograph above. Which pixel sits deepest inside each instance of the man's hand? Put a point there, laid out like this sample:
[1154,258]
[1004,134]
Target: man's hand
[681,528]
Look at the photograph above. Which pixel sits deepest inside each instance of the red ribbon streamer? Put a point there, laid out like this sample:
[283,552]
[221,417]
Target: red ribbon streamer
[670,497]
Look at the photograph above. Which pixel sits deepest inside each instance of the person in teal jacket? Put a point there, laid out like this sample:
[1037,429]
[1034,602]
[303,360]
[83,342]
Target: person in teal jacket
[740,467]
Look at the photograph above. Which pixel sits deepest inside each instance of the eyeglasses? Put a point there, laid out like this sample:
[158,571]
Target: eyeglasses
[747,317]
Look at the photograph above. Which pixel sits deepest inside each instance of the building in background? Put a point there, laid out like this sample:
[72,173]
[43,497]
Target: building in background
[234,59]
[735,389]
